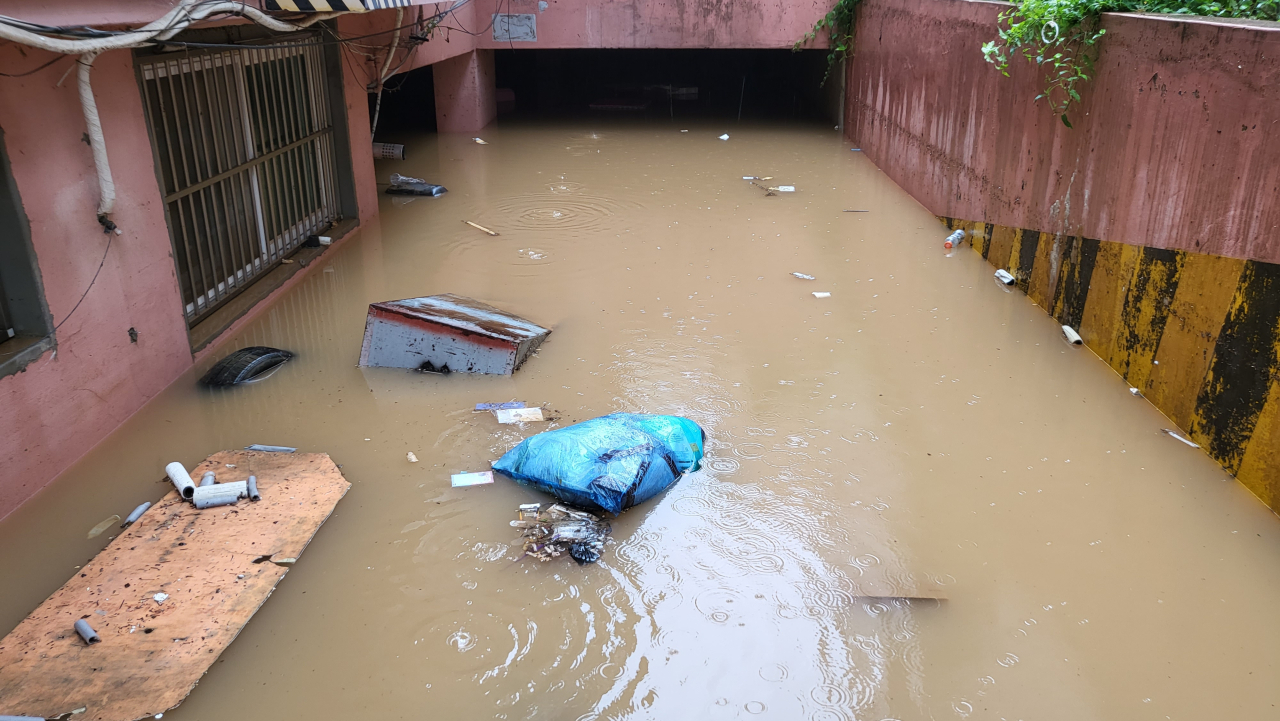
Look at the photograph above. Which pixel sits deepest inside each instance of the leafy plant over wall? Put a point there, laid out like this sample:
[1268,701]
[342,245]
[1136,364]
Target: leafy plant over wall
[839,25]
[1061,36]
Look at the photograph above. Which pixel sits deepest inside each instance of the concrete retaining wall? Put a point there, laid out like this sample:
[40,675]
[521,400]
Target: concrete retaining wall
[1151,227]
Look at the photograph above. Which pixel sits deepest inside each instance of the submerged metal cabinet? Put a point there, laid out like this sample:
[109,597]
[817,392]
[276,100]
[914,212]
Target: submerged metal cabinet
[447,333]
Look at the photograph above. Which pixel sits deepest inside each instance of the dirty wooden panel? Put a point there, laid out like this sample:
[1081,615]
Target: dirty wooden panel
[153,653]
[1044,271]
[1244,363]
[1205,289]
[1260,467]
[1112,271]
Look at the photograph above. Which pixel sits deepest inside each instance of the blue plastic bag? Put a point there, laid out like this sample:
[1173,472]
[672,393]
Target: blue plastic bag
[607,463]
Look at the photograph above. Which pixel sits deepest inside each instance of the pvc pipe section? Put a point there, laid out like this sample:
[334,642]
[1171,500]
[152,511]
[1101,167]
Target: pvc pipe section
[220,494]
[208,480]
[137,513]
[253,489]
[1071,335]
[1004,277]
[21,718]
[86,632]
[181,479]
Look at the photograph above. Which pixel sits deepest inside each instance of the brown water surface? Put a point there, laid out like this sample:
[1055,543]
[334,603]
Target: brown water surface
[922,425]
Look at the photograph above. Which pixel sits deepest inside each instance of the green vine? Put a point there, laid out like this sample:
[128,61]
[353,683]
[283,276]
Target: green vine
[1060,36]
[839,25]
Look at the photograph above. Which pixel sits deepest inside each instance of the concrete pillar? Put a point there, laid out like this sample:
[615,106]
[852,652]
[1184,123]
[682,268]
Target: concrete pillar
[465,92]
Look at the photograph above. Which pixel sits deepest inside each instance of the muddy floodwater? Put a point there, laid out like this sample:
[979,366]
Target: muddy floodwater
[921,428]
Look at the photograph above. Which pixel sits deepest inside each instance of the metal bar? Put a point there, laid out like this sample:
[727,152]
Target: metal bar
[266,176]
[231,211]
[204,166]
[244,166]
[203,283]
[284,116]
[170,140]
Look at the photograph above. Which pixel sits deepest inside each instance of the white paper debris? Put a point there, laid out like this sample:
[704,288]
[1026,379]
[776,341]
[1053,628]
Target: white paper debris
[803,276]
[785,188]
[160,597]
[821,294]
[471,479]
[724,137]
[1174,434]
[480,141]
[412,458]
[519,415]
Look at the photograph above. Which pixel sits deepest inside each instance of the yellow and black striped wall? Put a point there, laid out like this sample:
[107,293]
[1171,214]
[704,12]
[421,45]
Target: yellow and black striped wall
[1198,334]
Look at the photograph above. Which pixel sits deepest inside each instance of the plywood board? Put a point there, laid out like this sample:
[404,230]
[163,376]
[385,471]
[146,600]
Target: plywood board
[217,566]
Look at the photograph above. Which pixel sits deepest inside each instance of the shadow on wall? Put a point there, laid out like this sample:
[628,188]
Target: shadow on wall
[668,84]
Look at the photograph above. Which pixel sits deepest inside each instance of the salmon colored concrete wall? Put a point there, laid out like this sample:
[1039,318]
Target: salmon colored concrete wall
[465,100]
[1174,143]
[64,403]
[658,23]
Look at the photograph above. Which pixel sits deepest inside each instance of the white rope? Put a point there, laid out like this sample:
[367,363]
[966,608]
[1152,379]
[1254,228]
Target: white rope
[171,23]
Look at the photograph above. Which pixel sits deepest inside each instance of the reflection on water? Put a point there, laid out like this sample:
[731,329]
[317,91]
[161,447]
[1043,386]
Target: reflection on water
[916,430]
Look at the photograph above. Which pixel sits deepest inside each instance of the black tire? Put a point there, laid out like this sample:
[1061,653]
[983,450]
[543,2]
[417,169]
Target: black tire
[245,365]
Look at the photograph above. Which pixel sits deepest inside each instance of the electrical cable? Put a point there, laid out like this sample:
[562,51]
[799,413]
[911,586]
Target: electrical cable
[110,237]
[32,72]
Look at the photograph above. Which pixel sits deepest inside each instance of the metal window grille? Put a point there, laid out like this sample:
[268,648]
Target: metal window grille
[244,149]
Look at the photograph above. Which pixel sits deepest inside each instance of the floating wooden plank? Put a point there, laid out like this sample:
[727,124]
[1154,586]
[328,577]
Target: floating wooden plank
[216,567]
[447,333]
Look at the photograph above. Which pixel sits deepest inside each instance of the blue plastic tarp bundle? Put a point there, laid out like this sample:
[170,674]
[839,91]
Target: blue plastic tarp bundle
[607,463]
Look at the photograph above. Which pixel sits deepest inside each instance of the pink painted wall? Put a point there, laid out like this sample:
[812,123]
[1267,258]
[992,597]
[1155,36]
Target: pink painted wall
[62,405]
[464,85]
[1174,144]
[659,23]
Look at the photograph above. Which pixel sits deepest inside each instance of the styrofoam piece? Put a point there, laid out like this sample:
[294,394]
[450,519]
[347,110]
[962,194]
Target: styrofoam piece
[519,415]
[460,480]
[447,333]
[821,294]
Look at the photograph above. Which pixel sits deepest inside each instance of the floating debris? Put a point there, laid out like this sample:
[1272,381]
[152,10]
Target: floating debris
[821,294]
[724,137]
[519,415]
[550,530]
[104,525]
[1071,335]
[412,458]
[857,211]
[1178,437]
[460,480]
[1003,276]
[480,141]
[246,366]
[1135,393]
[136,514]
[477,226]
[802,276]
[404,185]
[499,406]
[953,240]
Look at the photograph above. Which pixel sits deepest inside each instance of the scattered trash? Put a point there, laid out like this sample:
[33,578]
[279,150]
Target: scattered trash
[288,261]
[315,241]
[802,276]
[86,632]
[856,150]
[479,141]
[404,185]
[479,478]
[270,449]
[136,514]
[724,137]
[550,530]
[181,479]
[608,463]
[857,211]
[480,227]
[757,177]
[1003,276]
[245,366]
[252,488]
[785,188]
[684,131]
[208,480]
[1176,436]
[160,597]
[1071,335]
[388,151]
[220,494]
[412,458]
[953,240]
[499,406]
[1135,393]
[519,415]
[104,525]
[447,333]
[821,294]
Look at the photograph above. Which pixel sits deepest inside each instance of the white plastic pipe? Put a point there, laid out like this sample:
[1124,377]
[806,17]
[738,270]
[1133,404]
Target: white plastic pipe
[1003,276]
[181,479]
[1072,336]
[220,494]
